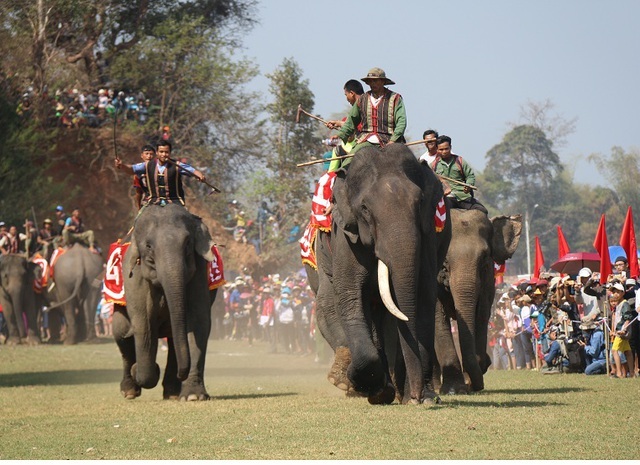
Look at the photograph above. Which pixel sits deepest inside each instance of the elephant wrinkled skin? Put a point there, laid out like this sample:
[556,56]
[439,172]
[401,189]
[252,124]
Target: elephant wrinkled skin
[17,298]
[383,222]
[466,289]
[166,287]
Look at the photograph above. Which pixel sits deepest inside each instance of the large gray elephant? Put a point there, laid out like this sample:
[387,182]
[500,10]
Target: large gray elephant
[166,287]
[78,282]
[17,298]
[466,289]
[383,254]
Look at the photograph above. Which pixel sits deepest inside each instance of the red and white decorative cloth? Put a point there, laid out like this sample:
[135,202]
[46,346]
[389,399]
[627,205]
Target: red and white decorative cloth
[39,284]
[321,201]
[306,245]
[54,258]
[113,289]
[440,216]
[215,270]
[498,269]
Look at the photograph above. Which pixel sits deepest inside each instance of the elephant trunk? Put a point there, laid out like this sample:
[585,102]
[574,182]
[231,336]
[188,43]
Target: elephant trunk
[174,285]
[466,302]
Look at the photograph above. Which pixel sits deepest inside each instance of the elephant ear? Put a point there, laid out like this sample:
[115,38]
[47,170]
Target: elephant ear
[506,236]
[134,254]
[203,242]
[342,215]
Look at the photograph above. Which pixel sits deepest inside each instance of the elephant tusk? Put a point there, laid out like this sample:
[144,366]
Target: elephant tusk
[385,292]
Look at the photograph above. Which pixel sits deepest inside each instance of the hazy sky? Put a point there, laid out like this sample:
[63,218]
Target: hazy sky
[465,68]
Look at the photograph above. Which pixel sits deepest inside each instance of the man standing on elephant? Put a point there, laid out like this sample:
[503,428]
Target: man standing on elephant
[381,113]
[164,176]
[452,166]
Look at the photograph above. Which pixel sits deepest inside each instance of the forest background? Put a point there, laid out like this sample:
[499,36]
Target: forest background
[187,58]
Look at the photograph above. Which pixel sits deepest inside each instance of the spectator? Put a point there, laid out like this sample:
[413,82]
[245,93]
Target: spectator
[622,318]
[594,348]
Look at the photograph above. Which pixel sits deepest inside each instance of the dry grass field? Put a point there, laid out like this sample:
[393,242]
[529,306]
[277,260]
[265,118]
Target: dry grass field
[60,402]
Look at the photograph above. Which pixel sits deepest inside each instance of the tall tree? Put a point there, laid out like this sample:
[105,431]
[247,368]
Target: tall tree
[541,115]
[280,180]
[622,170]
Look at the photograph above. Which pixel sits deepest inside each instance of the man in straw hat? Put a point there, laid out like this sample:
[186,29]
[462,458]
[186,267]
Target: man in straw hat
[380,111]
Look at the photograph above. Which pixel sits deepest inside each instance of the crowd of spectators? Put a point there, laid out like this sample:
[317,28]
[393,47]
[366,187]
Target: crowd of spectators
[75,107]
[558,324]
[277,311]
[265,228]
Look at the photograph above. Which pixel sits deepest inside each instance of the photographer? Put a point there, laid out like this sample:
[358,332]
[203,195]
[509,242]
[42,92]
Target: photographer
[594,288]
[591,305]
[594,348]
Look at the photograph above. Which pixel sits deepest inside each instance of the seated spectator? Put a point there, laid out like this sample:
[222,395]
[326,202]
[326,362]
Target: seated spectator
[553,357]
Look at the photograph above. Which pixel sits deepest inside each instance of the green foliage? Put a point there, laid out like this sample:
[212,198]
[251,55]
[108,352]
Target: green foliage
[622,170]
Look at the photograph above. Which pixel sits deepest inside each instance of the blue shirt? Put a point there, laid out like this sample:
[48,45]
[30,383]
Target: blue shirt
[140,168]
[596,346]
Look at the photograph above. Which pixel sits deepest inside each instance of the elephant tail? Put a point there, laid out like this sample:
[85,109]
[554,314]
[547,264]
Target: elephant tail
[74,294]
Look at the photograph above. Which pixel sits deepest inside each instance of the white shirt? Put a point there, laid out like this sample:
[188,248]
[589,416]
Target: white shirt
[428,159]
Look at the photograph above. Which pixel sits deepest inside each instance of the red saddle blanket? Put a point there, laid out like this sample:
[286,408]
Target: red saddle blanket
[113,288]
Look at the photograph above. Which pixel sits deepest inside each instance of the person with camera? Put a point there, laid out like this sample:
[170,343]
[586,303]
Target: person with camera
[594,348]
[551,358]
[590,304]
[623,316]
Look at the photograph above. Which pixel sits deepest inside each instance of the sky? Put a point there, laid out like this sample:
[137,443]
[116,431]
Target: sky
[466,68]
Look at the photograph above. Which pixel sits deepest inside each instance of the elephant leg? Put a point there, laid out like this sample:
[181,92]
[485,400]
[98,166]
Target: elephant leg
[121,327]
[12,326]
[71,327]
[170,382]
[470,363]
[450,367]
[193,387]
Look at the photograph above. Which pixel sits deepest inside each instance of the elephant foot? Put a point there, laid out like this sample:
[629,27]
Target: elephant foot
[353,393]
[149,382]
[338,372]
[191,393]
[171,389]
[31,340]
[453,388]
[386,396]
[13,341]
[129,389]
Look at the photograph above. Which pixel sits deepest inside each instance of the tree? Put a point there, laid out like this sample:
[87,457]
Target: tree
[521,169]
[555,126]
[622,171]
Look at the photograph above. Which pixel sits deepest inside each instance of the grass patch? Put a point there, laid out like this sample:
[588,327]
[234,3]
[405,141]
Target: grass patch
[60,402]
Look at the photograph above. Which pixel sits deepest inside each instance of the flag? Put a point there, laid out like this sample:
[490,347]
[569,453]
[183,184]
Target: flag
[563,247]
[539,259]
[628,243]
[601,245]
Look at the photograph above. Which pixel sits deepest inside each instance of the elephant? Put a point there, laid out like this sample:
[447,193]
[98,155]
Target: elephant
[466,290]
[383,253]
[167,295]
[78,282]
[17,298]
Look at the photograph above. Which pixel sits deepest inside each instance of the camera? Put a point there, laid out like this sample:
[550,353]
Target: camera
[575,339]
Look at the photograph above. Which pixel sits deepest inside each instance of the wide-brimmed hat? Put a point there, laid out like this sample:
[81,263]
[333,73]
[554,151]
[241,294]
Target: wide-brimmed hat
[47,220]
[377,73]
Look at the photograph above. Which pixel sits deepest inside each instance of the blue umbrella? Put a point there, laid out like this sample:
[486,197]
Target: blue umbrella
[616,251]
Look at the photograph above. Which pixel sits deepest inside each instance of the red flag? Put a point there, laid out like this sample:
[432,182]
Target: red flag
[539,259]
[628,243]
[601,244]
[563,247]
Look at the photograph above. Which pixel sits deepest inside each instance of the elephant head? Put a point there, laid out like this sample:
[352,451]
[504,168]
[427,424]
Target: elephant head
[385,249]
[167,265]
[17,298]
